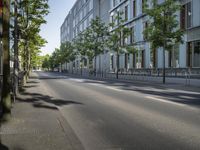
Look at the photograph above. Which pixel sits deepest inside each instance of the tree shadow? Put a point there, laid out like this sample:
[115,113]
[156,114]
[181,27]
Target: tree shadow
[184,97]
[46,102]
[3,147]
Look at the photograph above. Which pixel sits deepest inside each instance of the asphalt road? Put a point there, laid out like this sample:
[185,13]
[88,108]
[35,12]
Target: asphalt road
[108,115]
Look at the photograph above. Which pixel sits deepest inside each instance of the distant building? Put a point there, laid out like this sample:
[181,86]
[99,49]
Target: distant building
[79,18]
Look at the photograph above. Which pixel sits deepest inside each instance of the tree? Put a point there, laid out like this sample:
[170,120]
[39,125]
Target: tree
[163,29]
[66,50]
[6,97]
[46,62]
[81,48]
[116,39]
[29,22]
[94,39]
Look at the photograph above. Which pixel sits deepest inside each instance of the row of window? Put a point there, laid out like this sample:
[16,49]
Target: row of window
[130,10]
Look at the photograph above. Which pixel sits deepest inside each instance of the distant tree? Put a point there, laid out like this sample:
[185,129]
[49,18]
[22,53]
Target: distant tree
[163,28]
[46,62]
[66,52]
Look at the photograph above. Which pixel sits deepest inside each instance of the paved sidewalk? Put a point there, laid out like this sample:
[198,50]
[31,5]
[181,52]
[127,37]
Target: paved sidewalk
[37,124]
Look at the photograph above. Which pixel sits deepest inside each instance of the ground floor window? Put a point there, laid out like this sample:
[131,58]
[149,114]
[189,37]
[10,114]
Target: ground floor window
[174,57]
[196,54]
[127,60]
[112,61]
[193,54]
[134,60]
[143,59]
[153,55]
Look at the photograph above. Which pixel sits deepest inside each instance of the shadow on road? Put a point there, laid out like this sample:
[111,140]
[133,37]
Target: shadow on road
[3,147]
[170,92]
[40,100]
[184,97]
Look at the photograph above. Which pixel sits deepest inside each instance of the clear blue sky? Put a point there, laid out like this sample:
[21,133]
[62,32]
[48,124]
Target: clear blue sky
[51,31]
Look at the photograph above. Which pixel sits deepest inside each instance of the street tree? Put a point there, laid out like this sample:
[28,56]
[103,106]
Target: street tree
[163,29]
[66,50]
[81,48]
[29,21]
[46,62]
[95,40]
[117,37]
[6,97]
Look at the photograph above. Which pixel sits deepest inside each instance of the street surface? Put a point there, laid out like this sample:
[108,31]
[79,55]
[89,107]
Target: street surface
[108,115]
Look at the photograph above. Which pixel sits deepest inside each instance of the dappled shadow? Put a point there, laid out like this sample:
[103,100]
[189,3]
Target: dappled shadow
[39,100]
[3,147]
[167,92]
[170,92]
[45,101]
[32,82]
[183,97]
[29,86]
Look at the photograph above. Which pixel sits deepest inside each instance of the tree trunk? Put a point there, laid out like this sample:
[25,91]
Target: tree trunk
[117,73]
[6,97]
[16,61]
[95,63]
[81,66]
[164,65]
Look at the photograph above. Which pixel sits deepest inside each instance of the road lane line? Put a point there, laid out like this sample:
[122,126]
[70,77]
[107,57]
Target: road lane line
[163,100]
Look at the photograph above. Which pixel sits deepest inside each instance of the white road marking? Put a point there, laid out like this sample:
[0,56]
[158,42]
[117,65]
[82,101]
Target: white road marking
[77,80]
[163,100]
[113,88]
[104,86]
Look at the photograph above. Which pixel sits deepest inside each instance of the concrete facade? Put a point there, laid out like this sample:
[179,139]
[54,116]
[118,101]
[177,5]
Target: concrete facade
[183,56]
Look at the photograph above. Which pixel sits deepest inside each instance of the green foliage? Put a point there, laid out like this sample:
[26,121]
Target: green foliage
[46,62]
[65,53]
[94,38]
[163,28]
[116,39]
[31,15]
[119,32]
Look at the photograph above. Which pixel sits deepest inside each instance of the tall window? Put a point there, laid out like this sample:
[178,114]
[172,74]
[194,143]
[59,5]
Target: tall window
[126,13]
[134,9]
[145,25]
[143,5]
[189,54]
[132,35]
[186,16]
[114,3]
[127,59]
[189,14]
[182,17]
[143,59]
[112,61]
[196,60]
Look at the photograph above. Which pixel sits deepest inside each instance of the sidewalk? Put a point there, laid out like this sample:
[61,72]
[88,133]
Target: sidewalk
[37,124]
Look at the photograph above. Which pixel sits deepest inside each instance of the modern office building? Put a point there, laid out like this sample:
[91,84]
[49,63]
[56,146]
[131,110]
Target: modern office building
[182,56]
[79,18]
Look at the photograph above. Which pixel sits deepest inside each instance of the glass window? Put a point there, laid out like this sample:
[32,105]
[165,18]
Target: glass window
[196,60]
[189,14]
[126,13]
[134,8]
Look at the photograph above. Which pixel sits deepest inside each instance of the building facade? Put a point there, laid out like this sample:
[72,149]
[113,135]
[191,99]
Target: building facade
[183,55]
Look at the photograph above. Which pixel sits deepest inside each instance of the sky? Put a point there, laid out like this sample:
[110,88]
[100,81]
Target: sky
[51,31]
